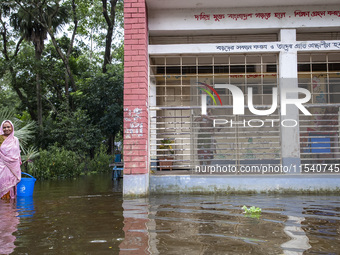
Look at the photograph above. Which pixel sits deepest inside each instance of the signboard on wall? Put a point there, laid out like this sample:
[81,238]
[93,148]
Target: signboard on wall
[243,18]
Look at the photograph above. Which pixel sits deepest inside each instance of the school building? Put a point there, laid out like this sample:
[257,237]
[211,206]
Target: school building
[231,96]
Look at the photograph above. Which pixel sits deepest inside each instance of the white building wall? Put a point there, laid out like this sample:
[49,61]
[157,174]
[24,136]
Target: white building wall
[242,20]
[286,21]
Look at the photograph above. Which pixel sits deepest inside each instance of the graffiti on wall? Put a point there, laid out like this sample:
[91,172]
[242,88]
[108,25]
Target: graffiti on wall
[133,118]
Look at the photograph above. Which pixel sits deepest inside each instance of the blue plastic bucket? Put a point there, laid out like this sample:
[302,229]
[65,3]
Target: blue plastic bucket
[26,186]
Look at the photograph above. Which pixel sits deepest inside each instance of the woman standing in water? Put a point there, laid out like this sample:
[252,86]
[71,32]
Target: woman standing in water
[10,161]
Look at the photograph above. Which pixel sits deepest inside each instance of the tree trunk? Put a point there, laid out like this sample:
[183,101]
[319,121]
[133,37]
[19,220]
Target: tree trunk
[112,144]
[38,53]
[65,61]
[39,101]
[110,21]
[66,57]
[107,55]
[67,93]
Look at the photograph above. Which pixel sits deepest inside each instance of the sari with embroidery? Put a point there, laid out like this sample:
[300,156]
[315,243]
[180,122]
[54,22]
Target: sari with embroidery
[10,161]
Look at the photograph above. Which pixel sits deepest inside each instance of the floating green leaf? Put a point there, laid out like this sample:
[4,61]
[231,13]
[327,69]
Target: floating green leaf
[251,210]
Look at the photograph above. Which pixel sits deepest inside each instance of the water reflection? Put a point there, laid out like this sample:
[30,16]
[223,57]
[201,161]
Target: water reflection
[136,218]
[299,241]
[89,216]
[83,216]
[216,225]
[8,225]
[25,207]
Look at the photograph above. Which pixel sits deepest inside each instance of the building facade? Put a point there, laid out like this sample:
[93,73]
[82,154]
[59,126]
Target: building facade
[218,94]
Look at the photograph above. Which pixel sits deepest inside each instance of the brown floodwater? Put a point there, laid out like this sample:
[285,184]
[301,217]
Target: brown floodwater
[89,216]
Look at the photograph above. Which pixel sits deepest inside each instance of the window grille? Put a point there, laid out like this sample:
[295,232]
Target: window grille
[319,133]
[175,111]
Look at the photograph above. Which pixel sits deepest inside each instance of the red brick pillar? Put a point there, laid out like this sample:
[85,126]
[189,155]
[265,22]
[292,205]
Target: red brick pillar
[135,91]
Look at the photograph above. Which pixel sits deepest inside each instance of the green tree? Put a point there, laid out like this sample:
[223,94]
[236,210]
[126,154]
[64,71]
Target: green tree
[102,98]
[102,26]
[9,47]
[109,13]
[79,83]
[17,79]
[33,20]
[73,131]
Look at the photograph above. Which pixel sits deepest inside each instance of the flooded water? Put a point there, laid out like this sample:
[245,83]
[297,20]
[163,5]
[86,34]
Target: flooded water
[89,216]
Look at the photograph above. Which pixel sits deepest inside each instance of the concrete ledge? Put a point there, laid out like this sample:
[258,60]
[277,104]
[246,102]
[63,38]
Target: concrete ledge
[136,185]
[271,184]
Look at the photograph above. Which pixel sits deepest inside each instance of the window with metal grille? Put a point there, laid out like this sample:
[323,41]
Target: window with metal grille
[176,120]
[319,133]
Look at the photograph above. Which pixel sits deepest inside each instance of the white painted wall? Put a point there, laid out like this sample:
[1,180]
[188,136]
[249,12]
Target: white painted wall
[188,21]
[263,47]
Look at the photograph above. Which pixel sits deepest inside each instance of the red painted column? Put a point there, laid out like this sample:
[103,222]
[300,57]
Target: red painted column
[135,88]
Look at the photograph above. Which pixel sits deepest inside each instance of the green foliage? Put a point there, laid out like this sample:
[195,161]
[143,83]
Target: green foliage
[30,154]
[102,98]
[57,163]
[25,134]
[33,18]
[252,211]
[21,79]
[76,119]
[73,131]
[8,98]
[101,161]
[27,159]
[93,26]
